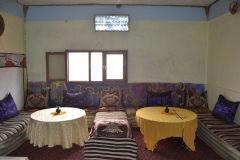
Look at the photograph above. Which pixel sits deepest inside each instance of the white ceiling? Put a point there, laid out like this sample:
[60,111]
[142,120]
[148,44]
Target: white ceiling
[123,2]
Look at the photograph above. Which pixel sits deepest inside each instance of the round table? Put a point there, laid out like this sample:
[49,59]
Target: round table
[48,129]
[155,125]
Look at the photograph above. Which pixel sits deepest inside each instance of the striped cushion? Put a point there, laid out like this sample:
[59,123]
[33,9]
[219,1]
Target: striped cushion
[229,133]
[103,148]
[13,126]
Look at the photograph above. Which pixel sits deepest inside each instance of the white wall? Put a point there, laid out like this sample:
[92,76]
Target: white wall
[158,51]
[11,81]
[223,59]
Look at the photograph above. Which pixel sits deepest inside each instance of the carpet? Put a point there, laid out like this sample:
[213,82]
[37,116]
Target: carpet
[167,149]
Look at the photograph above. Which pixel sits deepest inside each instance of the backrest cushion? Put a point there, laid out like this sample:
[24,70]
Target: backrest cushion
[159,99]
[197,100]
[225,109]
[77,99]
[37,100]
[8,108]
[110,98]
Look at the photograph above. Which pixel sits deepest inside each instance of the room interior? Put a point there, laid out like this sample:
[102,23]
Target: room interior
[185,42]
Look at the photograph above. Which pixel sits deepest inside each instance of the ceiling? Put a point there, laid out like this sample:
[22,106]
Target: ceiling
[200,3]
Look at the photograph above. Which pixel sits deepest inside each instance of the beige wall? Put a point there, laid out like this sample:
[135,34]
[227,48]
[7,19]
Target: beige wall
[12,40]
[224,59]
[158,51]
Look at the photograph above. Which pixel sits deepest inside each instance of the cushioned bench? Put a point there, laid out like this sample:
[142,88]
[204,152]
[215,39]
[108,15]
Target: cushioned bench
[223,138]
[13,132]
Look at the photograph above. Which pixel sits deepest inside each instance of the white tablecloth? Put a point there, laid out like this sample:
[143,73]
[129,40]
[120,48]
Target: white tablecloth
[48,129]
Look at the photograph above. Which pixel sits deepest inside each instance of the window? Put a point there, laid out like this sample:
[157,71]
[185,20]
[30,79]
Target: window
[114,66]
[78,66]
[111,23]
[97,66]
[56,66]
[87,66]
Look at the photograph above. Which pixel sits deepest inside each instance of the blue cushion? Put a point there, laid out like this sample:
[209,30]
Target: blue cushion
[8,108]
[75,99]
[159,99]
[225,109]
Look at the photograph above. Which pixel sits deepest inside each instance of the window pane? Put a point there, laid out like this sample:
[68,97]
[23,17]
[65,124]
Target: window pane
[111,23]
[96,66]
[114,66]
[56,66]
[78,66]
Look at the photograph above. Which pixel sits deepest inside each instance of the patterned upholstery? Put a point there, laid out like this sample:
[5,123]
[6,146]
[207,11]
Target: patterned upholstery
[75,99]
[133,94]
[110,98]
[159,99]
[197,102]
[8,108]
[225,109]
[110,109]
[224,138]
[13,126]
[37,100]
[13,132]
[111,124]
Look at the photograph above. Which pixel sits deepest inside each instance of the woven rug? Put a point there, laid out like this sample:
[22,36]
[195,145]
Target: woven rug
[102,148]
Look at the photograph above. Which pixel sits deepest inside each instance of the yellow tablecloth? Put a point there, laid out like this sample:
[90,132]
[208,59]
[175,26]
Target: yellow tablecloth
[155,125]
[48,129]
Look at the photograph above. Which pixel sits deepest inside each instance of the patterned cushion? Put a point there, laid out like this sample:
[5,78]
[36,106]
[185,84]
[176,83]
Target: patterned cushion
[111,98]
[37,100]
[196,100]
[74,99]
[8,108]
[225,109]
[159,99]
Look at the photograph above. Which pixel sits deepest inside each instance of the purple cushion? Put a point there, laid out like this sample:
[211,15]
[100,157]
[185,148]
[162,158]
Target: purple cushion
[75,99]
[225,109]
[159,99]
[8,108]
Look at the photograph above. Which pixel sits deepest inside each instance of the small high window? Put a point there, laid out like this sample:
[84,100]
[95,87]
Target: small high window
[111,23]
